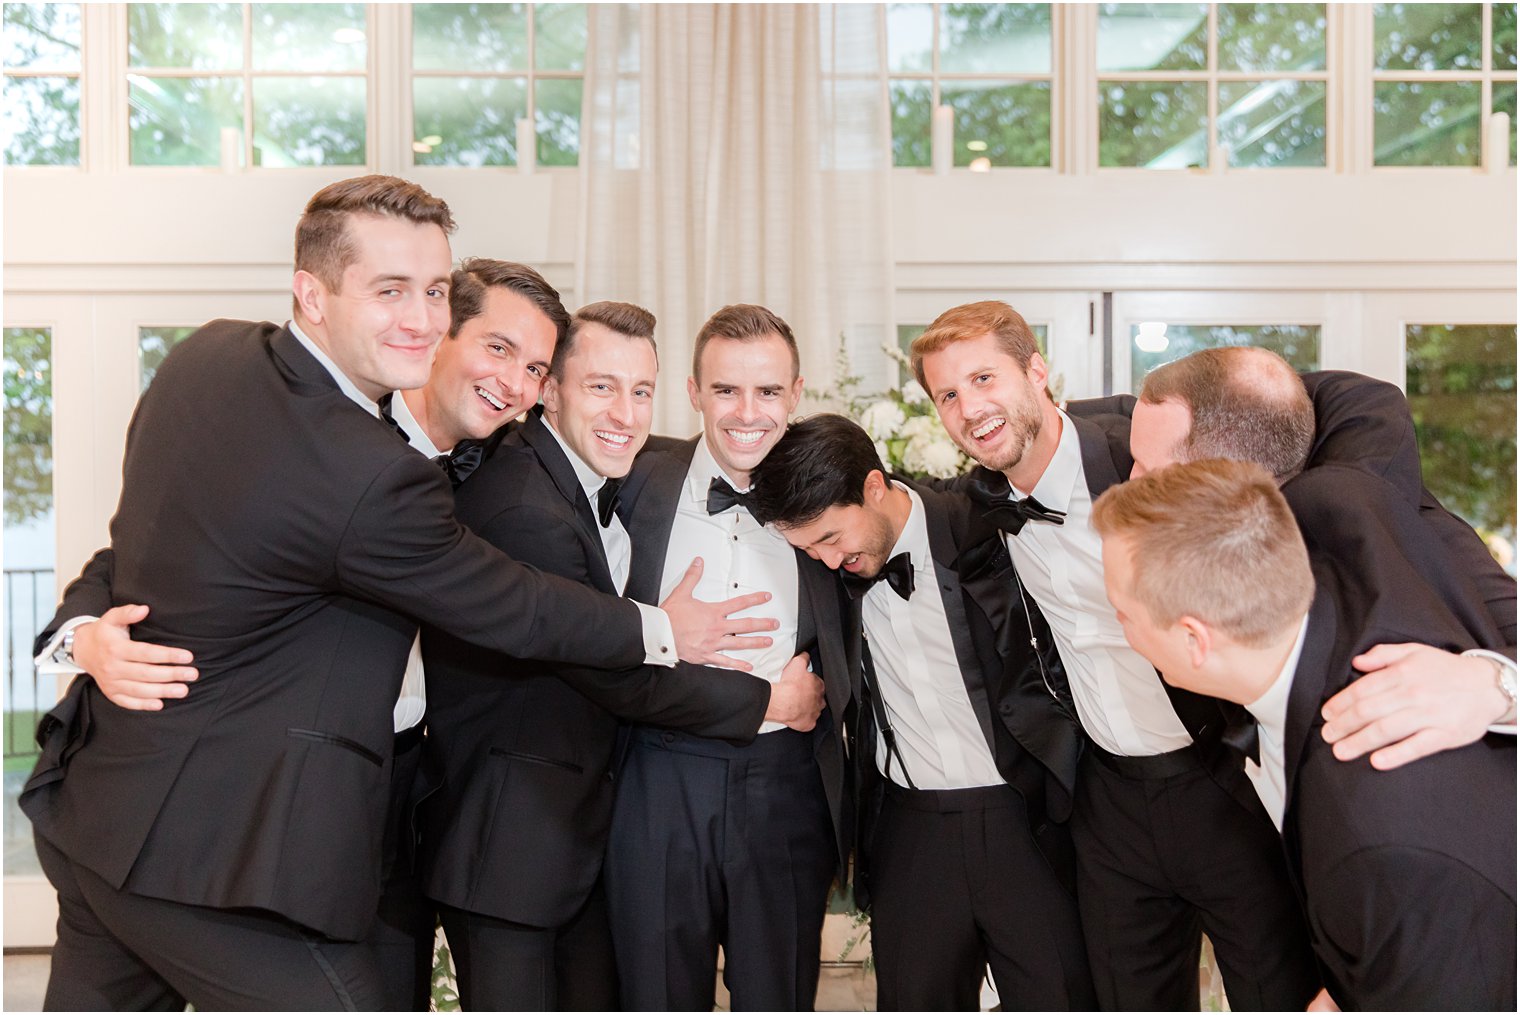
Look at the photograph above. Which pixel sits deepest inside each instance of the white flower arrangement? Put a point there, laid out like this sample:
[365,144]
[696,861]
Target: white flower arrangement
[908,434]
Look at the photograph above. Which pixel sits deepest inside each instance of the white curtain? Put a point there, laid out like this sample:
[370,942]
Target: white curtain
[739,154]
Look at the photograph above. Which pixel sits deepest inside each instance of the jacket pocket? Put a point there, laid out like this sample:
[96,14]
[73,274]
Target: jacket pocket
[337,741]
[534,759]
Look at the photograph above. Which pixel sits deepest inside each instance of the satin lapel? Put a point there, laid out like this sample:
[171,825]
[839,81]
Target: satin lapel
[652,516]
[535,433]
[1308,691]
[818,592]
[942,548]
[308,376]
[1101,461]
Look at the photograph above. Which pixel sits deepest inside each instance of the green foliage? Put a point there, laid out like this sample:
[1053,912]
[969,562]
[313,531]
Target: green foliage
[445,990]
[41,113]
[28,424]
[1298,344]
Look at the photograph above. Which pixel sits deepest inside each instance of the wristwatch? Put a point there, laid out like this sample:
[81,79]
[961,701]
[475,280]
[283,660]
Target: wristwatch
[64,653]
[1504,676]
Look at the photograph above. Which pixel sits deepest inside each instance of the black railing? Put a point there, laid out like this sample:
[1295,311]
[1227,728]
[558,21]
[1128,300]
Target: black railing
[28,605]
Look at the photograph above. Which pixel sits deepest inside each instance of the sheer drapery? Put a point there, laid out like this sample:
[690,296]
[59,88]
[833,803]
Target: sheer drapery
[739,154]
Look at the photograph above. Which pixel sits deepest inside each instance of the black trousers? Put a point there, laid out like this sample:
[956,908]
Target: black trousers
[1164,853]
[402,936]
[717,845]
[958,884]
[117,951]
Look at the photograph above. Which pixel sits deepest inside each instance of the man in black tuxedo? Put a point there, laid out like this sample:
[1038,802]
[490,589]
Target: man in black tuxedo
[1248,404]
[227,850]
[514,840]
[965,746]
[1168,843]
[715,844]
[1408,876]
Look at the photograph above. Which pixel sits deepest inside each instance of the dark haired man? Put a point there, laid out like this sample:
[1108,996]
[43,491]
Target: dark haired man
[712,844]
[967,753]
[227,851]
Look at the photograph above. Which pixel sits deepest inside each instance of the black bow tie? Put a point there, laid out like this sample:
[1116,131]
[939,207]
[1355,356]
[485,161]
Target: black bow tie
[992,494]
[607,501]
[463,460]
[1241,735]
[388,419]
[721,497]
[898,573]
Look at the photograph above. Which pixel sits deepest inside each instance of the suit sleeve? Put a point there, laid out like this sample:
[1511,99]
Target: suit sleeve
[88,595]
[403,548]
[707,701]
[1414,929]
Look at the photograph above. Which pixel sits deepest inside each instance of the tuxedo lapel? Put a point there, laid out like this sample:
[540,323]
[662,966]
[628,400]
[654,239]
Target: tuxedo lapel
[653,514]
[818,602]
[1105,453]
[535,433]
[1308,690]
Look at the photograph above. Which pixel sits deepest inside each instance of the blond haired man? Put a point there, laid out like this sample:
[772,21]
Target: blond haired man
[1408,877]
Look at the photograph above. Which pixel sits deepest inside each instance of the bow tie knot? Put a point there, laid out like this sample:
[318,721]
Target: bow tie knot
[897,573]
[607,501]
[994,496]
[1242,735]
[721,496]
[463,460]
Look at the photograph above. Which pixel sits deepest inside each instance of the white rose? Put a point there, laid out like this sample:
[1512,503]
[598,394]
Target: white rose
[913,393]
[935,457]
[882,419]
[923,428]
[884,455]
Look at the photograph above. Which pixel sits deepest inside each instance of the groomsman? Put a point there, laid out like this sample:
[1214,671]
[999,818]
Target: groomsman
[513,842]
[966,749]
[714,844]
[1408,876]
[1168,846]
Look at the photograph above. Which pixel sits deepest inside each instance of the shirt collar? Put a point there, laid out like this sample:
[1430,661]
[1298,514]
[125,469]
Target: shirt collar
[344,384]
[1271,709]
[704,469]
[591,481]
[1064,472]
[402,414]
[914,538]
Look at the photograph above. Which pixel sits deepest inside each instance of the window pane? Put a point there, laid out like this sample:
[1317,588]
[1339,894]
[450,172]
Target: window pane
[1153,36]
[1296,343]
[467,121]
[42,37]
[1504,36]
[29,581]
[910,38]
[994,38]
[1420,36]
[179,121]
[1461,385]
[153,344]
[1009,124]
[910,123]
[559,36]
[1268,37]
[42,121]
[198,36]
[1429,123]
[1273,123]
[308,121]
[310,37]
[481,37]
[1504,102]
[558,121]
[1155,125]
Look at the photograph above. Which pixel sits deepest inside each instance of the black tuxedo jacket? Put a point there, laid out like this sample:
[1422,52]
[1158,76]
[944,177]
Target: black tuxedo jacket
[287,539]
[1022,703]
[1409,875]
[648,508]
[519,827]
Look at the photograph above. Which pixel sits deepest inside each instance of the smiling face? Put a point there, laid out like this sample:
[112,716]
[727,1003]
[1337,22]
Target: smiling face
[1157,433]
[745,389]
[857,538]
[382,323]
[990,407]
[603,403]
[492,370]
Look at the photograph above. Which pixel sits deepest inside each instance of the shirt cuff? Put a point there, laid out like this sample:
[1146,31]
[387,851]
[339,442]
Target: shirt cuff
[1505,661]
[47,665]
[659,636]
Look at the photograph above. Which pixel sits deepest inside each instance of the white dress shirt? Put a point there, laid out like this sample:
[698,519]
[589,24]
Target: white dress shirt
[1271,712]
[738,556]
[614,536]
[1120,699]
[918,676]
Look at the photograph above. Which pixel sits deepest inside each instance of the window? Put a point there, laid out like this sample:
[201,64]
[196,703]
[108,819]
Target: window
[1436,68]
[1238,85]
[519,57]
[153,344]
[1156,343]
[1461,384]
[42,46]
[991,63]
[289,79]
